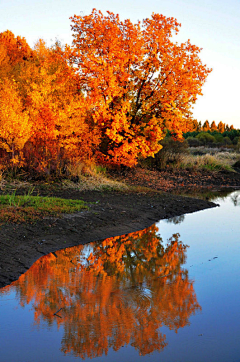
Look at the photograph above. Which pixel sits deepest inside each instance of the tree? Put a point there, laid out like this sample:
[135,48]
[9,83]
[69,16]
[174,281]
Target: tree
[57,110]
[44,116]
[15,128]
[14,51]
[193,125]
[206,126]
[136,79]
[221,127]
[17,49]
[213,126]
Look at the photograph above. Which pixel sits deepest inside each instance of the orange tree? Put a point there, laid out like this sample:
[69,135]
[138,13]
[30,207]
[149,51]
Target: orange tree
[43,113]
[136,80]
[58,111]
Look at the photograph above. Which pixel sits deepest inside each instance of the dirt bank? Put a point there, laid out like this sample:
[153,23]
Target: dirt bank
[109,214]
[179,180]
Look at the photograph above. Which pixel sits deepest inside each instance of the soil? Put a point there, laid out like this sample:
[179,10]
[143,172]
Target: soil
[181,180]
[109,214]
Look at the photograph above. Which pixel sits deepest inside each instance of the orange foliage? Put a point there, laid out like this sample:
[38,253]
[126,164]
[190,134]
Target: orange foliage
[52,106]
[15,127]
[136,79]
[109,97]
[113,293]
[13,50]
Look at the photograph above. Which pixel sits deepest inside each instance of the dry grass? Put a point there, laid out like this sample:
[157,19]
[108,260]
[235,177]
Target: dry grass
[216,162]
[81,176]
[203,150]
[97,183]
[92,177]
[13,184]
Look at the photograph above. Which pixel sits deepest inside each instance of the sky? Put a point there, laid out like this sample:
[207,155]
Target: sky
[212,25]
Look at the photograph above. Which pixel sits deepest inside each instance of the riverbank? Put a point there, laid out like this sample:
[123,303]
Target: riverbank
[179,180]
[110,213]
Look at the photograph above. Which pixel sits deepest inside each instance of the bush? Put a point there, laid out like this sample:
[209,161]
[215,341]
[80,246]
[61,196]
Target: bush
[235,140]
[238,144]
[218,138]
[205,138]
[227,141]
[193,142]
[169,156]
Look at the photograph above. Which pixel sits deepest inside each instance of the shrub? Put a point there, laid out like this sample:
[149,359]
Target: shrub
[235,140]
[205,138]
[238,144]
[169,156]
[218,138]
[193,142]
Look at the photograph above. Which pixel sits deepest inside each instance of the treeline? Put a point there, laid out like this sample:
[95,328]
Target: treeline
[215,135]
[195,126]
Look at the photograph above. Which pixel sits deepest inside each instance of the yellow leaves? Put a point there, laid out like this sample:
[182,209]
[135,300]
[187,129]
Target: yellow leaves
[15,128]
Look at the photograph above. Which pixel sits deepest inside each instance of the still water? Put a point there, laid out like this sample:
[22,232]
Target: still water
[170,292]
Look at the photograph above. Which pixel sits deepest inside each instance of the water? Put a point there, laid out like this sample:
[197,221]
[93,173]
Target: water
[167,293]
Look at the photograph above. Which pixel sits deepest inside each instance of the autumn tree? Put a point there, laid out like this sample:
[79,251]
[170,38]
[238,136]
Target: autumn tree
[15,127]
[221,127]
[213,126]
[137,80]
[206,126]
[13,51]
[43,112]
[192,125]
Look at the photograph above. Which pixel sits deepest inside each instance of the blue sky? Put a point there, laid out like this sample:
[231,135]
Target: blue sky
[212,25]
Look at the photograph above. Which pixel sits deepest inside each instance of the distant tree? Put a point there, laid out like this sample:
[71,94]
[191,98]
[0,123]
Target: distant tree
[227,128]
[221,127]
[206,126]
[199,128]
[213,126]
[193,125]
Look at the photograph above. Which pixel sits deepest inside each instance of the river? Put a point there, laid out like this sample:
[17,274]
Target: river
[167,293]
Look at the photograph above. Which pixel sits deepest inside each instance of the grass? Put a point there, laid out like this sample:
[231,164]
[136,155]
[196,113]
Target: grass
[81,178]
[217,162]
[97,182]
[15,208]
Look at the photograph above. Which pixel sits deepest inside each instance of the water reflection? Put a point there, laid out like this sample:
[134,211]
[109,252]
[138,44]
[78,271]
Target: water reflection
[112,293]
[235,199]
[176,219]
[207,194]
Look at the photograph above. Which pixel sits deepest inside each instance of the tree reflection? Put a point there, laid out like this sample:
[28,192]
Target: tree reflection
[176,219]
[235,199]
[112,293]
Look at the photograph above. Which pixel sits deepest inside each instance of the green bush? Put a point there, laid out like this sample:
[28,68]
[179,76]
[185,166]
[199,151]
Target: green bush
[235,140]
[205,138]
[238,144]
[227,141]
[193,142]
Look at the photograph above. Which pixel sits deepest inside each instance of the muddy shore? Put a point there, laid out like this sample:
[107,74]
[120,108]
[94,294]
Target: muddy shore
[109,214]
